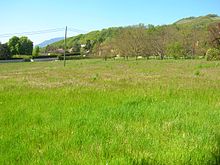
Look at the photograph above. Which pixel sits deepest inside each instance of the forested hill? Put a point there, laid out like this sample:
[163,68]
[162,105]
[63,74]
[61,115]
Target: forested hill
[202,20]
[94,36]
[188,37]
[106,34]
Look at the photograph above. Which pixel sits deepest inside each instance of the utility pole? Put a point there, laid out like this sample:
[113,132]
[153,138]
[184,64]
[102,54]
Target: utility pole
[64,58]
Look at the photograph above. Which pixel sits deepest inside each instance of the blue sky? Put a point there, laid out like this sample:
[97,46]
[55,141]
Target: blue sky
[87,15]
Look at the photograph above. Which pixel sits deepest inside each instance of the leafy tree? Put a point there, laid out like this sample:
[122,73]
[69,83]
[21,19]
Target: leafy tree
[36,51]
[158,40]
[188,41]
[88,45]
[13,45]
[50,48]
[106,50]
[4,51]
[20,45]
[76,48]
[131,41]
[191,34]
[175,50]
[25,46]
[87,49]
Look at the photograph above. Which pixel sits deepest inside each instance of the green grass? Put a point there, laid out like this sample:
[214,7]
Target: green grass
[114,112]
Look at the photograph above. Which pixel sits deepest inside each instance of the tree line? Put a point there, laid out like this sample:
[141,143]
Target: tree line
[187,38]
[161,41]
[198,38]
[17,46]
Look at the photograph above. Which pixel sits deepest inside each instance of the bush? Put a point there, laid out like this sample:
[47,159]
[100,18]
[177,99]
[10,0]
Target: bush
[36,51]
[213,54]
[4,51]
[21,56]
[175,50]
[27,58]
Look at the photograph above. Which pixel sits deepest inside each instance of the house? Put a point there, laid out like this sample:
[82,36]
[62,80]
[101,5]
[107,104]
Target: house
[83,45]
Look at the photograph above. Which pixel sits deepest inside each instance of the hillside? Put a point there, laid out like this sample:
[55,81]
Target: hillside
[94,36]
[202,21]
[189,35]
[105,34]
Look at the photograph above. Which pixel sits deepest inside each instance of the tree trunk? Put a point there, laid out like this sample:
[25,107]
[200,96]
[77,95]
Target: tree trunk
[161,56]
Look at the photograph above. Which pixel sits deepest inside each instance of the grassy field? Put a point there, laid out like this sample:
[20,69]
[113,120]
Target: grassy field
[114,112]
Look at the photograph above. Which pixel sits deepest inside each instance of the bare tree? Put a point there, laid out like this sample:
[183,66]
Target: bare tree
[214,31]
[158,40]
[105,50]
[132,41]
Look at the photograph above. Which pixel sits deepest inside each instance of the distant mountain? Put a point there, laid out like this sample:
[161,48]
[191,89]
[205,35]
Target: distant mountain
[51,41]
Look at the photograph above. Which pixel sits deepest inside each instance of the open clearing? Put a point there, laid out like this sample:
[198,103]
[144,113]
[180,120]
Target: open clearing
[114,112]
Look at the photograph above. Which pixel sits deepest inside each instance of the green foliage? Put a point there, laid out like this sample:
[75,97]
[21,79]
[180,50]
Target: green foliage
[22,56]
[13,44]
[25,46]
[27,58]
[175,50]
[36,51]
[76,48]
[203,21]
[20,45]
[95,37]
[88,45]
[213,54]
[191,34]
[131,41]
[50,48]
[4,51]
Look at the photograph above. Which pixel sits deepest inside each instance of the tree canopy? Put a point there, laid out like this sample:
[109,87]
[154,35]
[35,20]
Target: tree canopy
[4,51]
[22,45]
[186,38]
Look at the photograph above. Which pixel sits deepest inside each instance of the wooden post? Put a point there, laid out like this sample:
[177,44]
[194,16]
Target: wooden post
[64,57]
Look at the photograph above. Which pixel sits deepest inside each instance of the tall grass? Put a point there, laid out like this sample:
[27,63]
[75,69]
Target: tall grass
[122,112]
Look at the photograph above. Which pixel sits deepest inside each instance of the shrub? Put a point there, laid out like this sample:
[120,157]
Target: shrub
[27,58]
[4,51]
[213,54]
[175,50]
[36,51]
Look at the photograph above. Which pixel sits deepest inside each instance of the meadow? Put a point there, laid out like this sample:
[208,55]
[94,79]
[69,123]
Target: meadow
[110,112]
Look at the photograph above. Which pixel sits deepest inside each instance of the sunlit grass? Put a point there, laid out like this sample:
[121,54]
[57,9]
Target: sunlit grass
[115,112]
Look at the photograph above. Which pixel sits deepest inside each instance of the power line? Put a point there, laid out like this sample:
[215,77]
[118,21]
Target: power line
[41,32]
[32,32]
